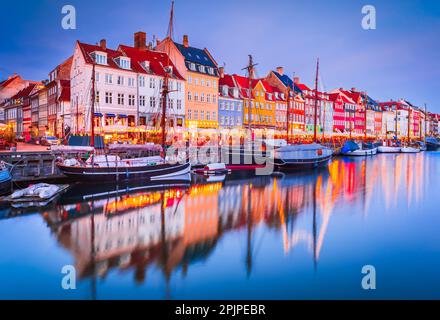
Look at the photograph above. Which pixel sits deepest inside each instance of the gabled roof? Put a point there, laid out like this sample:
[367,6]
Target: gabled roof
[24,92]
[158,60]
[227,80]
[88,49]
[285,79]
[200,57]
[7,82]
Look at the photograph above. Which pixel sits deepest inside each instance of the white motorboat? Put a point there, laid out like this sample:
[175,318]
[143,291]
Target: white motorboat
[409,150]
[388,149]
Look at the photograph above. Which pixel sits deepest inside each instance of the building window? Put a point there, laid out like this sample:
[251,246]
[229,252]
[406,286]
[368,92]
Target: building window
[131,82]
[189,114]
[179,104]
[202,115]
[120,80]
[214,115]
[189,95]
[142,101]
[142,81]
[208,115]
[152,102]
[120,98]
[131,100]
[97,97]
[108,98]
[196,96]
[196,115]
[108,78]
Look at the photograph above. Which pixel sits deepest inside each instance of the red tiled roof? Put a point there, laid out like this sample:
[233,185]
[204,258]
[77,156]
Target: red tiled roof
[5,83]
[227,80]
[87,49]
[158,60]
[24,92]
[302,86]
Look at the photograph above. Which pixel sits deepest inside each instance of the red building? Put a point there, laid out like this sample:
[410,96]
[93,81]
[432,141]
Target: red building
[338,112]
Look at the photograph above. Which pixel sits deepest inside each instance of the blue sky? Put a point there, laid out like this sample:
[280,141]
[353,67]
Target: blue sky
[400,59]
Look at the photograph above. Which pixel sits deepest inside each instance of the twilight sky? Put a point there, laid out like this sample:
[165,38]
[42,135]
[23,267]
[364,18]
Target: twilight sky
[400,59]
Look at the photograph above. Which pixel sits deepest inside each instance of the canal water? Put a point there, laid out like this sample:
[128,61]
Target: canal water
[298,236]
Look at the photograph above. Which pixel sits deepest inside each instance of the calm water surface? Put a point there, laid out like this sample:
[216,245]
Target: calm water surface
[298,236]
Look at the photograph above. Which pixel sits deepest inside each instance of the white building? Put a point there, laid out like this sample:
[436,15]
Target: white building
[128,84]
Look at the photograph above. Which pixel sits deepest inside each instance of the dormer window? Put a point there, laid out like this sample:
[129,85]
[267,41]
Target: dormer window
[192,66]
[210,70]
[146,65]
[225,90]
[202,69]
[100,58]
[124,63]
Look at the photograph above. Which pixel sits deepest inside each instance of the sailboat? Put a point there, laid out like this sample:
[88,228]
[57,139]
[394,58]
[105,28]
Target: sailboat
[110,167]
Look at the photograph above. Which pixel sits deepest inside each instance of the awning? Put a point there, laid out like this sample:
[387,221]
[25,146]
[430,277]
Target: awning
[98,114]
[122,116]
[110,115]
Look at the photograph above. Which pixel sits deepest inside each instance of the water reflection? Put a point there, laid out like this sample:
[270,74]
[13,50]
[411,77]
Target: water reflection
[174,228]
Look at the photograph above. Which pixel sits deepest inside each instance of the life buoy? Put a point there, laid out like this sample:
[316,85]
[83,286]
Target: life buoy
[319,152]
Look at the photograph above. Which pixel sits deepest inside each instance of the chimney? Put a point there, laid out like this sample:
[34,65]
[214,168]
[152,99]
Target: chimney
[185,41]
[280,70]
[140,40]
[353,89]
[221,71]
[103,44]
[296,80]
[157,42]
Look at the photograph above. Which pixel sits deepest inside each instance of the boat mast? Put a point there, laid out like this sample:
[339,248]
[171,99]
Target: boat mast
[250,69]
[409,123]
[316,101]
[165,86]
[365,117]
[395,122]
[426,117]
[92,109]
[288,112]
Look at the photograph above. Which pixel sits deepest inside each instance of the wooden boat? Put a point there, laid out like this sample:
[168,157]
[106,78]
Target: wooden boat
[29,197]
[212,169]
[5,179]
[112,168]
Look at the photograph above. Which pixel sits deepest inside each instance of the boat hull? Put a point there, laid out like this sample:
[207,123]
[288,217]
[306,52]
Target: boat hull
[361,152]
[409,150]
[385,149]
[302,164]
[149,173]
[5,186]
[432,146]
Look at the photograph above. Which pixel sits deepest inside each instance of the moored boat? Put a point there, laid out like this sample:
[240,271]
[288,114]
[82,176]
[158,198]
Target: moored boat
[409,149]
[112,168]
[352,148]
[432,144]
[302,156]
[5,179]
[388,149]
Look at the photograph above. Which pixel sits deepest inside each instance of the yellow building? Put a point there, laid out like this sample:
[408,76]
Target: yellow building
[263,103]
[200,70]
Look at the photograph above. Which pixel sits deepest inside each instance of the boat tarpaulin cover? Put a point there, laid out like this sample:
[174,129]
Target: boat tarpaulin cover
[349,146]
[84,141]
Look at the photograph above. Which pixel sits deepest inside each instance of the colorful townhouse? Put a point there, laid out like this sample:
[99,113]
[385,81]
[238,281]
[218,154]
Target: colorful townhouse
[200,70]
[401,110]
[284,83]
[327,114]
[259,101]
[58,98]
[349,111]
[388,121]
[10,87]
[18,111]
[338,112]
[34,115]
[230,103]
[309,109]
[42,112]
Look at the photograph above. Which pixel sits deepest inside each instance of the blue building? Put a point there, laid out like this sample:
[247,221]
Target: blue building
[230,103]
